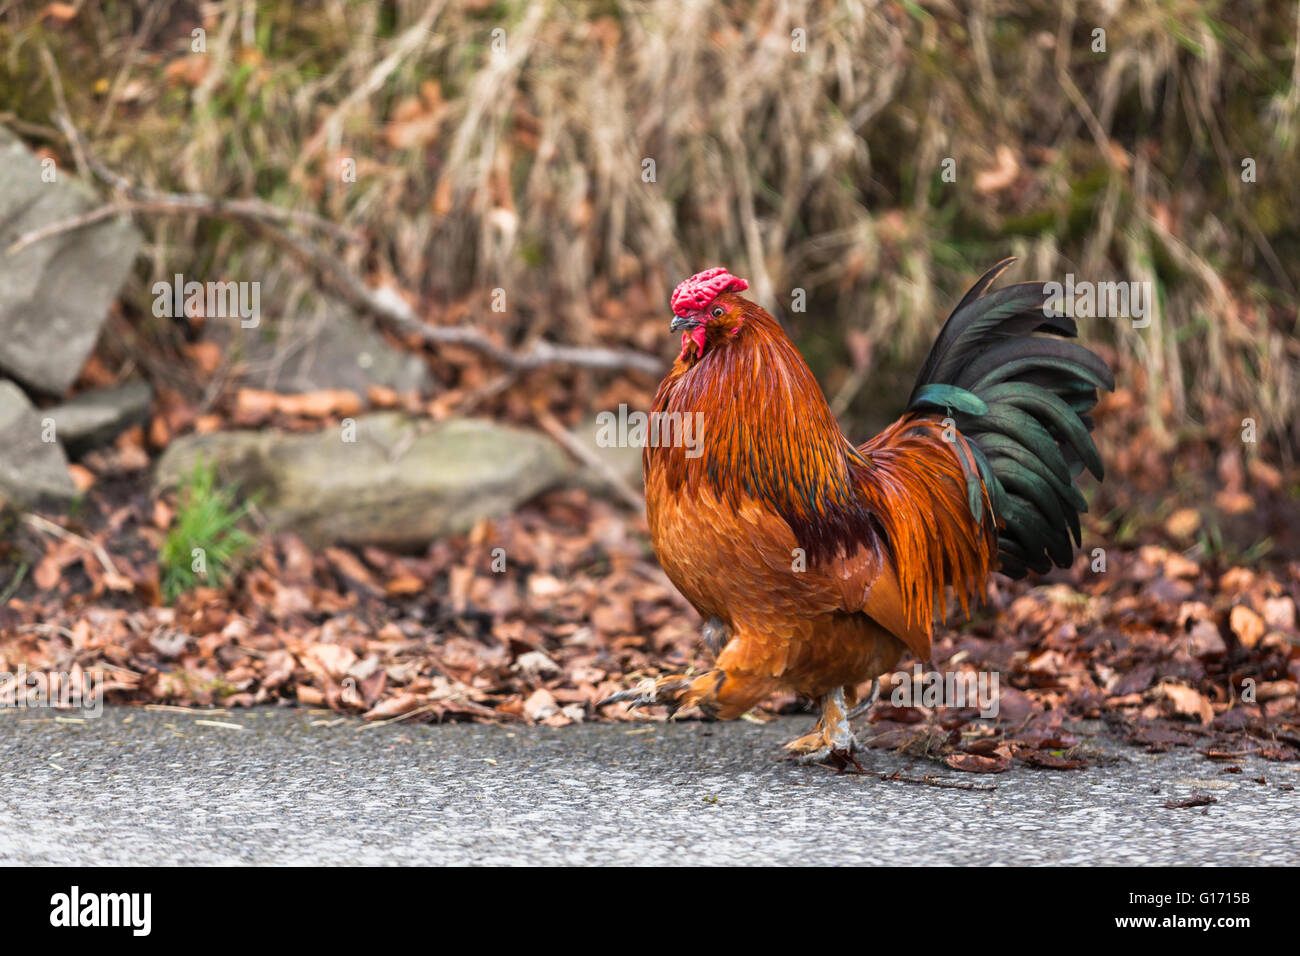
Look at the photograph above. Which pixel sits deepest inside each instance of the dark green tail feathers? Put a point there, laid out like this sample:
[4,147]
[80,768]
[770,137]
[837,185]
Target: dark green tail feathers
[1021,394]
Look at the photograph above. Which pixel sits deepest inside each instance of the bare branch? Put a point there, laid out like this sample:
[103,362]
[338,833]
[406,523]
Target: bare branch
[385,303]
[237,210]
[49,231]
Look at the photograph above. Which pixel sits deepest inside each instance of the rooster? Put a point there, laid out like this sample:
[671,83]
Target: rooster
[817,563]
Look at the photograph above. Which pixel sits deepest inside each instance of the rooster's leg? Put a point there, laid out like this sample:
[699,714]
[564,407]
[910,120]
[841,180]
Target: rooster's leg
[716,635]
[832,740]
[867,702]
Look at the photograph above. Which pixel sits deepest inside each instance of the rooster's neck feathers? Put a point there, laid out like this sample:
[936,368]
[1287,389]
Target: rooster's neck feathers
[768,435]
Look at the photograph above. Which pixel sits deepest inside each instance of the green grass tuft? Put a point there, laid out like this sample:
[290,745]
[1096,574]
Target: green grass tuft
[205,544]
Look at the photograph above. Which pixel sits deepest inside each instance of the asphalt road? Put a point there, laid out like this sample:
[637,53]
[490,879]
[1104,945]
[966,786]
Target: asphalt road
[293,787]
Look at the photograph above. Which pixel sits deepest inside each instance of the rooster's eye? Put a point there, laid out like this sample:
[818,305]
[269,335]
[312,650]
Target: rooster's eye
[718,311]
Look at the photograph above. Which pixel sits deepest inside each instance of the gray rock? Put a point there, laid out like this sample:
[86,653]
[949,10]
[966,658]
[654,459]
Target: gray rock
[401,483]
[55,294]
[330,349]
[32,472]
[97,416]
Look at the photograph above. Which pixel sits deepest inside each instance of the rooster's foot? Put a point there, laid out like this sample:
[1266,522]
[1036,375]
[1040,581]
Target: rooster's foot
[832,741]
[676,692]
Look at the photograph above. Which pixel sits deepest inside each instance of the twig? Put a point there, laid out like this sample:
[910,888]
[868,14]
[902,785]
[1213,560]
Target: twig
[12,587]
[128,62]
[177,709]
[219,723]
[420,711]
[932,781]
[94,547]
[1072,92]
[183,204]
[29,130]
[46,628]
[61,101]
[575,447]
[404,46]
[927,781]
[59,227]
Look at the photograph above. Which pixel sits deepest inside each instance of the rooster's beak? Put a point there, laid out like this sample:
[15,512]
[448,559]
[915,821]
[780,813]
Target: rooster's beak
[681,322]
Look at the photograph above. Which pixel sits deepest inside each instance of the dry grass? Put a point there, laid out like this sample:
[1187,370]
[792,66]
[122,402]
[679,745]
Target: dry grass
[820,170]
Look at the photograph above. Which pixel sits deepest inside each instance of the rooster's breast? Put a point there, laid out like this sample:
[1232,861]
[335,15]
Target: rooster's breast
[736,561]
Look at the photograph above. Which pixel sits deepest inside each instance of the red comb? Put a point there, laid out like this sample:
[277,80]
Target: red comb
[695,294]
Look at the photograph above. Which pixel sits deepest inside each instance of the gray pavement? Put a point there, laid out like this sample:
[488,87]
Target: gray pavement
[296,787]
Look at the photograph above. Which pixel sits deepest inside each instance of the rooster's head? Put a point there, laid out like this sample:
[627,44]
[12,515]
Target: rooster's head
[702,305]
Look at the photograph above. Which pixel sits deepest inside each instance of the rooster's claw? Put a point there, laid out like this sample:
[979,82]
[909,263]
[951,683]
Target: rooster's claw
[642,695]
[674,692]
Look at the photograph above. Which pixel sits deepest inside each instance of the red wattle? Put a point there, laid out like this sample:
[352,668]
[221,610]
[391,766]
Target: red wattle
[696,335]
